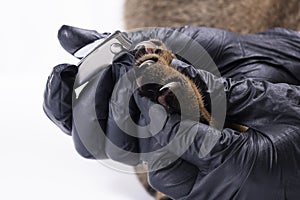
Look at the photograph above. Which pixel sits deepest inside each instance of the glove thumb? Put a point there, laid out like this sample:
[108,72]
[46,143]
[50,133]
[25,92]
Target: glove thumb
[73,39]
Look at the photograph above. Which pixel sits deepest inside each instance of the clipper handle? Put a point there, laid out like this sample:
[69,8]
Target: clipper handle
[101,56]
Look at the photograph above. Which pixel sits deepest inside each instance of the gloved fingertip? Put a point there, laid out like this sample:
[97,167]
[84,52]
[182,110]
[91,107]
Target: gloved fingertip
[72,38]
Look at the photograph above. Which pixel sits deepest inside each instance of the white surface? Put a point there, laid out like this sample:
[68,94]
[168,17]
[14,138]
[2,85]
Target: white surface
[38,161]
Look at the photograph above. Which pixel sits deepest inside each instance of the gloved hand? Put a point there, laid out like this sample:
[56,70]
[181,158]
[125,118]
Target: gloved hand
[227,157]
[112,142]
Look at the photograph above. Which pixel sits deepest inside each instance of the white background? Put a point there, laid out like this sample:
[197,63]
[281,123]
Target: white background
[38,161]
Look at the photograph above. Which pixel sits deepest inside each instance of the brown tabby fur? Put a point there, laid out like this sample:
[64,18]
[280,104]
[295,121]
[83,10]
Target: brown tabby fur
[242,16]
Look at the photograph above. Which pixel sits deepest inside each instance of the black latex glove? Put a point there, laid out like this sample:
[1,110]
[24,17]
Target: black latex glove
[223,157]
[114,143]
